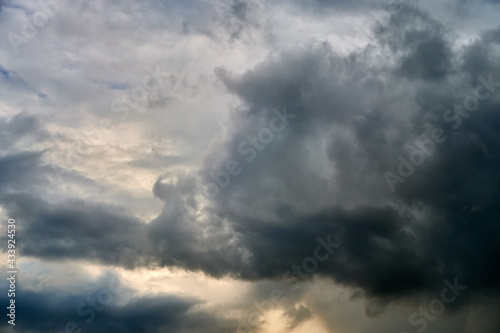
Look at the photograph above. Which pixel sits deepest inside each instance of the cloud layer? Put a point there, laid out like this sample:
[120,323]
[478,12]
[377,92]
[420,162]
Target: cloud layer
[256,154]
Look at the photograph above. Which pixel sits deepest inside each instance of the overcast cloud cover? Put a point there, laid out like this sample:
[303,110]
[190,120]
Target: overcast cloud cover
[270,166]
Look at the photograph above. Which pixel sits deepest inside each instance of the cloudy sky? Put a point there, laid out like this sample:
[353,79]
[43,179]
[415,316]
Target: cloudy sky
[325,166]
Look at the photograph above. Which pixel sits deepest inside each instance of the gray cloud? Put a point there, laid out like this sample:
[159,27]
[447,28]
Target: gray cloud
[51,311]
[78,230]
[351,114]
[321,176]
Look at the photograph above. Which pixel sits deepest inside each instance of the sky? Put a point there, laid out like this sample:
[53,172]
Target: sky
[221,166]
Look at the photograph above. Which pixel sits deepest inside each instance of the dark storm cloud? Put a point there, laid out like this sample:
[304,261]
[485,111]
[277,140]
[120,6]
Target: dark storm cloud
[482,56]
[424,50]
[356,114]
[22,126]
[76,229]
[181,239]
[376,253]
[20,168]
[105,310]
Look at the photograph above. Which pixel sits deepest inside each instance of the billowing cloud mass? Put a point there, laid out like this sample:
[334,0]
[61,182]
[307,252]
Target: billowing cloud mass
[341,155]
